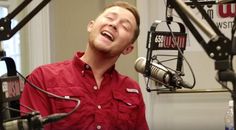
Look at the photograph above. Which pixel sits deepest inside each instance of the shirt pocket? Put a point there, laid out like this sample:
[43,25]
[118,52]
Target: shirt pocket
[127,108]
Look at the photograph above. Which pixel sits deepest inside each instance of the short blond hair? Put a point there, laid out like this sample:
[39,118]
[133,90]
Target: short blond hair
[133,10]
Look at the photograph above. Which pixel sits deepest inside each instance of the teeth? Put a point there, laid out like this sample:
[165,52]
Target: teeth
[105,33]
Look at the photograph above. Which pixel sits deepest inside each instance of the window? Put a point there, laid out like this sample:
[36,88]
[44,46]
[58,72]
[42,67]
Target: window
[11,46]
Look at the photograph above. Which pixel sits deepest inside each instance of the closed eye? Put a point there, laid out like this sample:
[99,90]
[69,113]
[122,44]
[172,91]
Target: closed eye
[126,26]
[109,18]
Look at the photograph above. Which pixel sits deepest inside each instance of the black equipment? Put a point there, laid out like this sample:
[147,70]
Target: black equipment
[163,40]
[219,48]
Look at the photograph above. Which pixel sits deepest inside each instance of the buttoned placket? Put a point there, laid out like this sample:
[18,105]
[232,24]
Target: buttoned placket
[99,106]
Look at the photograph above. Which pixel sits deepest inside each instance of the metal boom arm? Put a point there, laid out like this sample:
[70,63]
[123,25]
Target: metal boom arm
[219,48]
[6,32]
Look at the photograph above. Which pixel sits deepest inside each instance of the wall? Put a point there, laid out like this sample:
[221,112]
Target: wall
[68,21]
[68,25]
[198,111]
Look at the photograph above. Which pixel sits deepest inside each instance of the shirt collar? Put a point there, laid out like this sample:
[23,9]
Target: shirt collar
[84,66]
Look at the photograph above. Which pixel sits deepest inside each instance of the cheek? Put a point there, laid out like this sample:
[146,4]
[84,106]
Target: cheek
[93,31]
[127,37]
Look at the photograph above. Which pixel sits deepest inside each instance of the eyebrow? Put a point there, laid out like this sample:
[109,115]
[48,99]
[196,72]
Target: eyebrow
[125,20]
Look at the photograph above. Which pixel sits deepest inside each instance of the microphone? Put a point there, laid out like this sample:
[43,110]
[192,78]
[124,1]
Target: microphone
[36,122]
[19,124]
[157,72]
[161,74]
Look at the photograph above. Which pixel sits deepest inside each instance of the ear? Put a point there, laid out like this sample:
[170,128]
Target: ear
[128,49]
[90,26]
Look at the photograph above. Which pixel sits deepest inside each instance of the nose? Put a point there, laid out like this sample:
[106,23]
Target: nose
[114,24]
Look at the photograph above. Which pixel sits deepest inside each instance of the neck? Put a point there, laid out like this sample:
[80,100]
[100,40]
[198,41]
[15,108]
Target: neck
[99,63]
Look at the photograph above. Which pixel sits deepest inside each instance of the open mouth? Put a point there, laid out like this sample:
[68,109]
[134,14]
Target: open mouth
[107,35]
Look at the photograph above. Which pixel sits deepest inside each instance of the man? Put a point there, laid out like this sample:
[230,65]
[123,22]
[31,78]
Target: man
[108,100]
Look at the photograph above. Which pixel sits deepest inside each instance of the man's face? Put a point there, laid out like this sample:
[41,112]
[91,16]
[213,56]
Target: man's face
[112,32]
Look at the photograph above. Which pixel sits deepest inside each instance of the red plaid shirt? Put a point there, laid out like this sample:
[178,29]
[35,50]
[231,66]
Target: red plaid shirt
[117,105]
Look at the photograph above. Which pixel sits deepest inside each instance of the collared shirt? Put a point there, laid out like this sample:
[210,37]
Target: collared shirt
[117,105]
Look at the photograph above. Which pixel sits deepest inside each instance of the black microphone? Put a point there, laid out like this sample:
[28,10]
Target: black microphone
[161,74]
[18,124]
[36,122]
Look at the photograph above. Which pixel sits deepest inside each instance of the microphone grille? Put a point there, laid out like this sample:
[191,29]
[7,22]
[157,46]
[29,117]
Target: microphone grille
[140,65]
[158,72]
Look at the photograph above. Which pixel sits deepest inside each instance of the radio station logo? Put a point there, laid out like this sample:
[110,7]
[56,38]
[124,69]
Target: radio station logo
[222,15]
[165,41]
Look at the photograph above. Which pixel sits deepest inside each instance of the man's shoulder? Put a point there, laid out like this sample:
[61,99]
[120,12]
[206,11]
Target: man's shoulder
[126,78]
[53,67]
[127,81]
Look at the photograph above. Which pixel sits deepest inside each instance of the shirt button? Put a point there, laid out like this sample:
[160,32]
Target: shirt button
[99,127]
[99,107]
[87,66]
[95,87]
[82,72]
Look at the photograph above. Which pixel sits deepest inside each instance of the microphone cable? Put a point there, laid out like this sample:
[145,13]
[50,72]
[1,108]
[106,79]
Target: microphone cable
[184,58]
[179,50]
[55,116]
[168,21]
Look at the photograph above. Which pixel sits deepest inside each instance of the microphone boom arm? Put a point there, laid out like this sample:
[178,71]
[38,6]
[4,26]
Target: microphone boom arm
[219,48]
[215,49]
[6,32]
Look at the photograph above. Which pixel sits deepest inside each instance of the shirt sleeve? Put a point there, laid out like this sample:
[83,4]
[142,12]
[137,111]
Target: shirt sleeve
[33,98]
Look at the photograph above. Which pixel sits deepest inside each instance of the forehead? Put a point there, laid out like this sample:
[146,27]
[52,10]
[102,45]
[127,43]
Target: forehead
[121,12]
